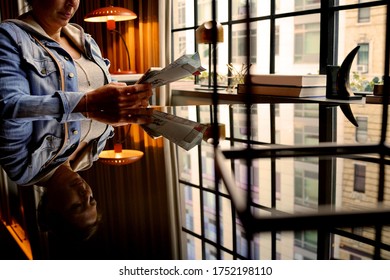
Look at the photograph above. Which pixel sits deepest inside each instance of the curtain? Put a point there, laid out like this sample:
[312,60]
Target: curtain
[138,201]
[9,9]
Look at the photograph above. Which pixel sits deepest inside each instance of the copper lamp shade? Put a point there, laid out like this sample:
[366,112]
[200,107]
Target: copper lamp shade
[110,15]
[204,33]
[118,156]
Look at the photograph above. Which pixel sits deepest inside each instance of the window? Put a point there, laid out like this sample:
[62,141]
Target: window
[363,13]
[361,131]
[306,188]
[362,58]
[359,178]
[307,43]
[286,40]
[306,240]
[306,4]
[239,49]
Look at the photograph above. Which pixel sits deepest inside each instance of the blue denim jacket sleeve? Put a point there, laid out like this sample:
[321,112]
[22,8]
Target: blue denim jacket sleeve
[24,77]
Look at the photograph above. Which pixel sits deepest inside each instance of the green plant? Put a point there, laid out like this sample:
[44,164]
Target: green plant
[360,83]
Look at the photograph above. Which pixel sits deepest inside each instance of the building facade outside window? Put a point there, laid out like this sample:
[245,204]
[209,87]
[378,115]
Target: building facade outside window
[295,47]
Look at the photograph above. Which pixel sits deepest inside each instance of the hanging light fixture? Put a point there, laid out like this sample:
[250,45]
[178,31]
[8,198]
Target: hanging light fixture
[110,15]
[120,156]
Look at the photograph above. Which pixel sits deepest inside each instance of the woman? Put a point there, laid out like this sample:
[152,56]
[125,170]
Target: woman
[51,67]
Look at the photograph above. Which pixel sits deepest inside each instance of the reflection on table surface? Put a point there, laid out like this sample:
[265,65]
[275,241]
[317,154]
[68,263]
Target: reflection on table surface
[146,214]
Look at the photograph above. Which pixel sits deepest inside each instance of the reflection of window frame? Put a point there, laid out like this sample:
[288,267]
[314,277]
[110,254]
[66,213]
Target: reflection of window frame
[305,177]
[359,178]
[241,242]
[190,248]
[361,134]
[306,135]
[278,185]
[306,111]
[301,240]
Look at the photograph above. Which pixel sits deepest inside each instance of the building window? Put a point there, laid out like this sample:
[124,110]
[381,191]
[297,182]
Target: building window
[277,185]
[306,4]
[239,46]
[306,240]
[361,130]
[359,184]
[277,40]
[364,13]
[306,188]
[362,58]
[307,43]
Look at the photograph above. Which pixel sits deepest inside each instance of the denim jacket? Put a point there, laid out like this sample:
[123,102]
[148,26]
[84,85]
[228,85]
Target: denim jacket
[30,86]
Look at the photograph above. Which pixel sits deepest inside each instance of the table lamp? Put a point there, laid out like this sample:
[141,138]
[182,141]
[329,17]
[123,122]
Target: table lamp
[120,156]
[110,15]
[206,34]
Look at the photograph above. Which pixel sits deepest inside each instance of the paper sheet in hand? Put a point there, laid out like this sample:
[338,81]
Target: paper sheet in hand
[182,67]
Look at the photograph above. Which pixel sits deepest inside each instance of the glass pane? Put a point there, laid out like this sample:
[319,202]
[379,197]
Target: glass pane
[226,224]
[188,162]
[260,114]
[183,43]
[350,249]
[205,11]
[349,2]
[372,116]
[257,8]
[208,166]
[183,13]
[193,248]
[209,216]
[191,206]
[287,6]
[368,66]
[259,40]
[298,45]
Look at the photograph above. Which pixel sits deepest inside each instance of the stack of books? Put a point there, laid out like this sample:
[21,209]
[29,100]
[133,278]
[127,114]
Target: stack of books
[285,85]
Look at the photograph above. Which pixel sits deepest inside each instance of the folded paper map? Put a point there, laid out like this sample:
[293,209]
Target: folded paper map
[184,66]
[184,133]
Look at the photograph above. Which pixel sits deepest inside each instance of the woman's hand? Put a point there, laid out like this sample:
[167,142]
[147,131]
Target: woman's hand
[123,116]
[114,97]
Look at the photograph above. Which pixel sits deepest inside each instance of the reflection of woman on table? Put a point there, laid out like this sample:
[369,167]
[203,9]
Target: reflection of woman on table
[51,67]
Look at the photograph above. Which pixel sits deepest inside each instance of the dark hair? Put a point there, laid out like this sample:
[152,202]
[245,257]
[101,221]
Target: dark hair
[53,222]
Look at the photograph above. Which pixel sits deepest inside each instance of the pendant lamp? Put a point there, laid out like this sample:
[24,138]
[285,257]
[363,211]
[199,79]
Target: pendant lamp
[120,156]
[110,15]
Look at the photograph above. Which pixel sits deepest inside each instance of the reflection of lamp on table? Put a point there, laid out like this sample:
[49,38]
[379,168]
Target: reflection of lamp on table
[205,35]
[120,156]
[110,15]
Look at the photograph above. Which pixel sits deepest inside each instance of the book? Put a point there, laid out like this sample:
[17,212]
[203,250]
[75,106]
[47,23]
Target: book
[288,91]
[289,80]
[375,99]
[184,66]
